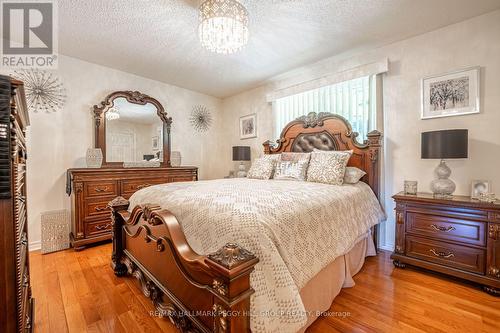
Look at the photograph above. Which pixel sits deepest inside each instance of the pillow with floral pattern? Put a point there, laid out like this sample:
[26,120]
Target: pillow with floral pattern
[328,167]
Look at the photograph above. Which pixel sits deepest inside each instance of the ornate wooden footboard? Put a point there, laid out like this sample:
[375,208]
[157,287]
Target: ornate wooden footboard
[198,293]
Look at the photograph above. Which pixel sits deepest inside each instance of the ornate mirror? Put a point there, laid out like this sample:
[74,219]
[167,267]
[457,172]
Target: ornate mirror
[132,127]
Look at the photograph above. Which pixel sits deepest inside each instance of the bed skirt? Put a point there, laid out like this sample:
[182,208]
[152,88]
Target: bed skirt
[319,293]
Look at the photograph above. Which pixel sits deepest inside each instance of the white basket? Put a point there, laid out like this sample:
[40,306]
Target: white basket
[55,231]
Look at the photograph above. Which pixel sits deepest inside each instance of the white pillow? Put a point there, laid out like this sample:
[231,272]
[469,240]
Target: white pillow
[290,170]
[328,166]
[353,175]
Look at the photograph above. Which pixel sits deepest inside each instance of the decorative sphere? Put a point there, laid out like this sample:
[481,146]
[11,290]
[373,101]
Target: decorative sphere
[443,186]
[443,171]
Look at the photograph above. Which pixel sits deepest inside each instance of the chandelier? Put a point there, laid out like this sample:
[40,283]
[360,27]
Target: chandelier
[223,26]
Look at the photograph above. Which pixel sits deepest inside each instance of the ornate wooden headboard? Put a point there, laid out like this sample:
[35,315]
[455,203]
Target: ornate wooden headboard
[327,131]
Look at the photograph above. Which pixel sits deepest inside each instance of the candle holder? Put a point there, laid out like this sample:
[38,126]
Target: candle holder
[411,187]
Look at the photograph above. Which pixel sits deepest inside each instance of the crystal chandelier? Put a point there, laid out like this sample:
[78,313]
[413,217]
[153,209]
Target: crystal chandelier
[223,26]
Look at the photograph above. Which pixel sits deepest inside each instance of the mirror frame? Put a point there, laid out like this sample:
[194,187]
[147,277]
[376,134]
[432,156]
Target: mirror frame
[135,97]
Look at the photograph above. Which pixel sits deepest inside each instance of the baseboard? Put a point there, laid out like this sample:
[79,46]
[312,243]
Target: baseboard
[35,245]
[388,247]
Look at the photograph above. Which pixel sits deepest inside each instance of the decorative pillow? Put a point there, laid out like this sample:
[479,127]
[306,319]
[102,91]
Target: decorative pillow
[294,157]
[291,170]
[262,167]
[328,166]
[275,158]
[353,175]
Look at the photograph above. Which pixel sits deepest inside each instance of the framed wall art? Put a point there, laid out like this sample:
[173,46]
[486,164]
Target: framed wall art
[248,126]
[480,187]
[155,143]
[452,94]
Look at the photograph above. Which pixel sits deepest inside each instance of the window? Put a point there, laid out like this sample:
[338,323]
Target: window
[354,100]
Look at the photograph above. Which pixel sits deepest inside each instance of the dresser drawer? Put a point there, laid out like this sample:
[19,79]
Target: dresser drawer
[96,228]
[452,255]
[97,207]
[131,186]
[183,178]
[447,228]
[101,188]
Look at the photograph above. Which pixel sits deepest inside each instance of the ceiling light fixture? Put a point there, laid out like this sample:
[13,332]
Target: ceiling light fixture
[223,26]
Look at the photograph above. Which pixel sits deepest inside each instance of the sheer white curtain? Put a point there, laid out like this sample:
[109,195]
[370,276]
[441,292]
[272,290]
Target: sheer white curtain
[355,100]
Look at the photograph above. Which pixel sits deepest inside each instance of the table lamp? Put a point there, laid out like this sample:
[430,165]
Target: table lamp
[444,144]
[241,153]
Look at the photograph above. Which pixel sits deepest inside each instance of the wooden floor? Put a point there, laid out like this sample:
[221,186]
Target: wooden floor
[78,292]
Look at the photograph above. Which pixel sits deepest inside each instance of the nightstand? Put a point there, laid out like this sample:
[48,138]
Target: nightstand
[458,236]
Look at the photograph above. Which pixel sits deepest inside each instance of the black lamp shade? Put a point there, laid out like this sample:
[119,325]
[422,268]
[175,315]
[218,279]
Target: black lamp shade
[445,144]
[241,153]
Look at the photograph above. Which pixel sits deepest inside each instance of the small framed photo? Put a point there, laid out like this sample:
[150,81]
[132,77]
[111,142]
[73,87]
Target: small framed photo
[155,143]
[480,187]
[451,94]
[248,126]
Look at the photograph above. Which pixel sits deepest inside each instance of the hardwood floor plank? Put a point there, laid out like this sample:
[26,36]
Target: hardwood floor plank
[78,292]
[57,316]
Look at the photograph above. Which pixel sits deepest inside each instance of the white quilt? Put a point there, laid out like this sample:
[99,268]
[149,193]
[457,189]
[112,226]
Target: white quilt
[295,228]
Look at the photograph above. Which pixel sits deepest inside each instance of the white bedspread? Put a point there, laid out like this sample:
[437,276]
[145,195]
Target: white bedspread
[294,228]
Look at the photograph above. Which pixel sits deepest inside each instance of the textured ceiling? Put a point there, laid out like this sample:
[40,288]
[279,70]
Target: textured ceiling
[158,38]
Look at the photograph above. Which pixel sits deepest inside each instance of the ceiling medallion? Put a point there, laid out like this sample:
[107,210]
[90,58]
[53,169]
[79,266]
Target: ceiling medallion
[223,26]
[44,91]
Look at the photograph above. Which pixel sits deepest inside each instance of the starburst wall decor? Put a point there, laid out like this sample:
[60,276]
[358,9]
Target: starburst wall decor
[44,91]
[201,118]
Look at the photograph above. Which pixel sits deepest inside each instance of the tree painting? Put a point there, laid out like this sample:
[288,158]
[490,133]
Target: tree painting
[449,94]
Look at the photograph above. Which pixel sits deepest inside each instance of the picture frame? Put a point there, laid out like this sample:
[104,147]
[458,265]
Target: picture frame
[248,126]
[452,94]
[478,187]
[155,142]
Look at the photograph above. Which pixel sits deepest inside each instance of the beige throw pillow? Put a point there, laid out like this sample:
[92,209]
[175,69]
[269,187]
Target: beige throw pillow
[353,175]
[294,157]
[263,167]
[288,170]
[328,166]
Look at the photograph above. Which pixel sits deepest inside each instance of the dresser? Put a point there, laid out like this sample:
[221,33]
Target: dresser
[16,303]
[92,189]
[458,236]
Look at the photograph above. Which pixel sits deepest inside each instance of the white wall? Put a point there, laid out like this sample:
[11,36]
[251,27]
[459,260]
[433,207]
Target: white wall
[59,141]
[475,42]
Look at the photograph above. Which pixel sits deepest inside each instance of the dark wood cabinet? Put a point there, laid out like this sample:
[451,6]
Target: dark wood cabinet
[458,236]
[16,303]
[92,189]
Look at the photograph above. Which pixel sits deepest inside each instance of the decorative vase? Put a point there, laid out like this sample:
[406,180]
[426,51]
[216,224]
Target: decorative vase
[443,186]
[94,158]
[175,158]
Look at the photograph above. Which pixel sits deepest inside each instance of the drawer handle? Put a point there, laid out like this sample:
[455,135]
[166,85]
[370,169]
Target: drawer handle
[442,254]
[101,189]
[102,227]
[139,187]
[100,209]
[440,228]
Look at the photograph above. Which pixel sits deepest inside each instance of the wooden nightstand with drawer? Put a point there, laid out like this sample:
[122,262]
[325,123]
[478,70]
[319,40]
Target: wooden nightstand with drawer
[458,236]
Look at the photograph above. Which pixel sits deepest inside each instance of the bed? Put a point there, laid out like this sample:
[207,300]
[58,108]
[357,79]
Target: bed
[241,255]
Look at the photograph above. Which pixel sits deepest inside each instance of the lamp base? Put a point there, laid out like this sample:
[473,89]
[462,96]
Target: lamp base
[443,187]
[241,172]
